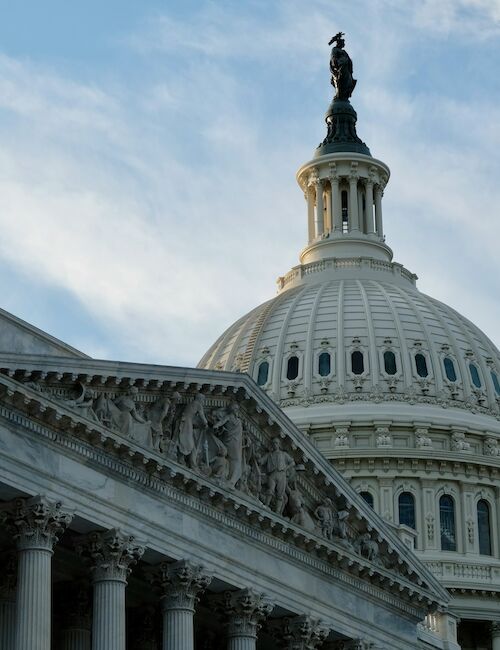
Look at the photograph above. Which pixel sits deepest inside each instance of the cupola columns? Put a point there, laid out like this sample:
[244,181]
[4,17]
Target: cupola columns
[344,207]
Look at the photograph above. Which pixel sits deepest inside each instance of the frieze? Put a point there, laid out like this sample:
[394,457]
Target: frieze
[210,433]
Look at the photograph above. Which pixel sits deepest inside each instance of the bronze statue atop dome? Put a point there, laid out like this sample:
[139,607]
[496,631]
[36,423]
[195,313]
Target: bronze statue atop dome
[341,69]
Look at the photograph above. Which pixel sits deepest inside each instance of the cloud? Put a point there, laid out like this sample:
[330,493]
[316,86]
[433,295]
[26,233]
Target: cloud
[165,201]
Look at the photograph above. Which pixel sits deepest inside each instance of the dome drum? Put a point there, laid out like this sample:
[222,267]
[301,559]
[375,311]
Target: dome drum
[344,200]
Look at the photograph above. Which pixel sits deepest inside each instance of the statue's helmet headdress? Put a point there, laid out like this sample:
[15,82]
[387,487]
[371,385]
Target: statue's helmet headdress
[338,39]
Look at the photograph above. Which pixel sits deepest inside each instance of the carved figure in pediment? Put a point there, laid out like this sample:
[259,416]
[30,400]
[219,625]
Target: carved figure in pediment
[84,403]
[219,467]
[188,441]
[325,514]
[232,437]
[366,547]
[296,507]
[251,479]
[340,524]
[160,415]
[122,414]
[276,464]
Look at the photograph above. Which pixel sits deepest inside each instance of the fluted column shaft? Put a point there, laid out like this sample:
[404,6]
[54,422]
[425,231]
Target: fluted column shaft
[336,205]
[495,635]
[353,204]
[329,218]
[108,624]
[310,213]
[378,211]
[36,523]
[178,628]
[34,595]
[320,218]
[76,639]
[7,624]
[369,207]
[111,554]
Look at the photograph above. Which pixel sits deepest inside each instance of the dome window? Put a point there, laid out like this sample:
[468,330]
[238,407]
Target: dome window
[496,384]
[406,504]
[483,527]
[449,368]
[367,497]
[292,368]
[263,373]
[343,198]
[357,362]
[421,365]
[390,362]
[324,364]
[447,523]
[474,375]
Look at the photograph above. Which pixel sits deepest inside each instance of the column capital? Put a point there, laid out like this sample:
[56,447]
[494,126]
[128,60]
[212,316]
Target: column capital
[302,633]
[181,583]
[36,522]
[245,609]
[495,629]
[110,553]
[8,577]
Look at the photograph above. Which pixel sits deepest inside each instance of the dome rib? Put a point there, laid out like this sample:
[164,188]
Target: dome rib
[341,374]
[450,337]
[479,358]
[404,351]
[374,364]
[309,351]
[436,367]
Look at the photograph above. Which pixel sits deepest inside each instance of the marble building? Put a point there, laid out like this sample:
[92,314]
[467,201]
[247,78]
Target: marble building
[399,391]
[325,479]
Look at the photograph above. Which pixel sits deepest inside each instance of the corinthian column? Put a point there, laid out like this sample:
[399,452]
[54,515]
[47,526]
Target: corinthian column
[495,635]
[245,610]
[302,633]
[111,554]
[37,524]
[181,583]
[8,602]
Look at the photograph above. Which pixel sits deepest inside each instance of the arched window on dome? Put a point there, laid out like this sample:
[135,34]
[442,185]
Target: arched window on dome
[357,362]
[449,368]
[483,527]
[421,365]
[474,375]
[406,506]
[368,497]
[292,368]
[447,523]
[263,373]
[496,383]
[324,364]
[345,214]
[390,362]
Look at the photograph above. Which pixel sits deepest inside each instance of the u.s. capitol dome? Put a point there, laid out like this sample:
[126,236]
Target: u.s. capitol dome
[399,390]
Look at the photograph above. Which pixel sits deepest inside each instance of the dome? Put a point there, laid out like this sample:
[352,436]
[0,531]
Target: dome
[360,336]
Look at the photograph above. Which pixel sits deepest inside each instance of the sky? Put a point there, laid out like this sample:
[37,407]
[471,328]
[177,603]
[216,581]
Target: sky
[148,153]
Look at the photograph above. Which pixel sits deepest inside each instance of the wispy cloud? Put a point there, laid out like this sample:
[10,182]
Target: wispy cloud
[165,202]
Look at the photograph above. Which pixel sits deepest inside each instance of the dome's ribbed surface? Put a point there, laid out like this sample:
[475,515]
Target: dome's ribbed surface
[370,316]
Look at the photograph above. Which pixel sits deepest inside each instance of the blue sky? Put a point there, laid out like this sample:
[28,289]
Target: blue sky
[148,153]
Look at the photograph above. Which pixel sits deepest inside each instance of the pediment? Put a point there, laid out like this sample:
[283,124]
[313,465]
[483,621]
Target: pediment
[221,439]
[18,336]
